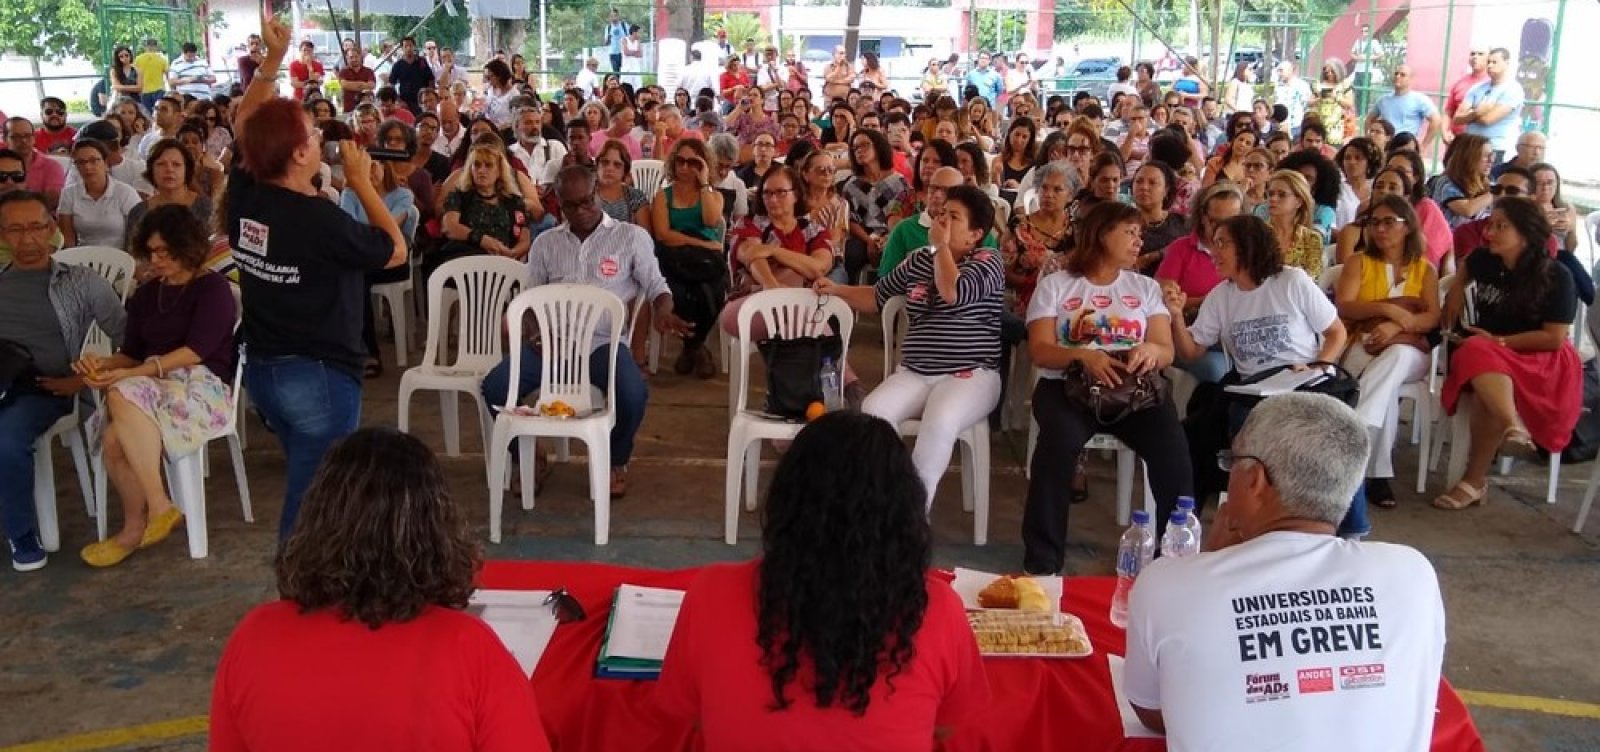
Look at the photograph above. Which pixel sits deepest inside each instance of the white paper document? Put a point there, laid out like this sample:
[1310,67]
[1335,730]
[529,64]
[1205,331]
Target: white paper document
[1282,382]
[641,625]
[521,620]
[1132,727]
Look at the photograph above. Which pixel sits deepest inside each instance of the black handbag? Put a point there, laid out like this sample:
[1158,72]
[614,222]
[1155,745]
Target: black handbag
[1110,404]
[691,264]
[794,372]
[1339,385]
[17,371]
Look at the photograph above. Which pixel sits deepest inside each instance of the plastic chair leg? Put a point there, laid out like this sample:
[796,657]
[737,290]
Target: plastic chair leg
[451,418]
[1423,414]
[44,497]
[600,487]
[525,452]
[1125,462]
[189,493]
[752,474]
[1588,499]
[239,478]
[980,490]
[1555,479]
[737,458]
[497,481]
[80,462]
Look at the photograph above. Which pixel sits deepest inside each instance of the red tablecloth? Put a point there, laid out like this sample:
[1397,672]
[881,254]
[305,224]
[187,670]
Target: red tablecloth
[1069,702]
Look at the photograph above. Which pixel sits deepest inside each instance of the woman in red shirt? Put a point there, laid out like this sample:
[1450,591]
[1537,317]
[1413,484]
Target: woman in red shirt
[369,648]
[841,606]
[733,81]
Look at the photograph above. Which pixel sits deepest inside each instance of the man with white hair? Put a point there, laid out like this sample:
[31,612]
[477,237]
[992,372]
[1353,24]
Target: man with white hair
[1283,634]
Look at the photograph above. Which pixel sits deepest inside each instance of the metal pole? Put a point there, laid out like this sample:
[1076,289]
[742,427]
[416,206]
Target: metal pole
[1555,57]
[544,46]
[355,26]
[1444,68]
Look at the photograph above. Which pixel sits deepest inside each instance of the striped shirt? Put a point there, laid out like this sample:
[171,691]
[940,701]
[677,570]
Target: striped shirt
[195,68]
[946,338]
[618,258]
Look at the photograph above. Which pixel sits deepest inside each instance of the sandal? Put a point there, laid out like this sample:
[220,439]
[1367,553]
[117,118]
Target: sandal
[619,482]
[1517,443]
[1469,496]
[1379,494]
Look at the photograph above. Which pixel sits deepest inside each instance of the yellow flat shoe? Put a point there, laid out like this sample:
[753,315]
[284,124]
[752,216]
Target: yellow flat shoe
[106,553]
[160,526]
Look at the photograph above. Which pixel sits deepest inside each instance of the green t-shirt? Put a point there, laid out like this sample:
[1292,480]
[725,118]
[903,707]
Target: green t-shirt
[908,236]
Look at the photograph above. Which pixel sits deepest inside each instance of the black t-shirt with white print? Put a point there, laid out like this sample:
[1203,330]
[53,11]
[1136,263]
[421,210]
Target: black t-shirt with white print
[302,264]
[945,337]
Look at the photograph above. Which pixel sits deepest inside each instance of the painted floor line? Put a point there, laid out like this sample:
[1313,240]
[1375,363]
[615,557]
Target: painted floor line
[1542,705]
[118,737]
[196,725]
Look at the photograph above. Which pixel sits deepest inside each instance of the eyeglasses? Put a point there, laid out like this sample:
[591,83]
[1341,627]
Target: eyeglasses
[818,315]
[776,192]
[609,162]
[54,111]
[1506,190]
[1226,459]
[1279,194]
[567,608]
[1079,151]
[1384,222]
[13,177]
[87,160]
[763,145]
[1255,166]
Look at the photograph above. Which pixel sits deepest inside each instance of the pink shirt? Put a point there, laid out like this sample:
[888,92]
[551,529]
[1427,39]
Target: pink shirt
[45,175]
[599,139]
[1458,92]
[1192,268]
[1435,229]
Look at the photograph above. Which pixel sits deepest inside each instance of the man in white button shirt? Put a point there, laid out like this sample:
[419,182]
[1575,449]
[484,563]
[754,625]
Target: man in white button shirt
[1283,635]
[590,248]
[540,155]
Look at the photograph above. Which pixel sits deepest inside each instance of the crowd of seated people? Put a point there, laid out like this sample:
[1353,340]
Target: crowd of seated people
[1217,223]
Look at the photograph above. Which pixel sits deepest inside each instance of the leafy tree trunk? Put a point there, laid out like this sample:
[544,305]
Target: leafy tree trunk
[38,83]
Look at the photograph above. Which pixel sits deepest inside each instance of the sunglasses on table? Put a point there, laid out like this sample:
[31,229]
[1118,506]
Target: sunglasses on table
[567,608]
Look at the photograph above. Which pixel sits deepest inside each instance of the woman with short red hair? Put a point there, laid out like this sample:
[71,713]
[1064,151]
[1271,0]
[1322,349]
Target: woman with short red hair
[302,264]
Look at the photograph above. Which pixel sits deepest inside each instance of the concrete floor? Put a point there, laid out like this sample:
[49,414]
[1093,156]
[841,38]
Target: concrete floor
[84,651]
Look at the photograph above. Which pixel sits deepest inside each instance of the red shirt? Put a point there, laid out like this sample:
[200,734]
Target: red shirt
[713,674]
[299,72]
[730,80]
[47,141]
[902,165]
[313,682]
[1193,269]
[1474,235]
[400,113]
[350,96]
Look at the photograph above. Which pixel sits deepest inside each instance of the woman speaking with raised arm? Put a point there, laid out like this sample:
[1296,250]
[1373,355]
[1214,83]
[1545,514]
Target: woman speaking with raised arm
[302,264]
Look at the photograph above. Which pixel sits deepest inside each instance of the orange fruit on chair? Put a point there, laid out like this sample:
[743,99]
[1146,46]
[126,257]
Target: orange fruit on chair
[815,410]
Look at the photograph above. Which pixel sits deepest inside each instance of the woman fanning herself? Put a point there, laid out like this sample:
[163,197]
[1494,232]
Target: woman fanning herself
[1070,337]
[382,566]
[687,219]
[948,372]
[773,654]
[1516,360]
[1389,295]
[167,388]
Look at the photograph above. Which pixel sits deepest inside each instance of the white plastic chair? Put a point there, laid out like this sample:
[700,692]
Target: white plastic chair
[112,263]
[973,442]
[44,476]
[1126,460]
[1329,278]
[484,285]
[1002,213]
[648,174]
[569,318]
[186,477]
[788,313]
[1588,495]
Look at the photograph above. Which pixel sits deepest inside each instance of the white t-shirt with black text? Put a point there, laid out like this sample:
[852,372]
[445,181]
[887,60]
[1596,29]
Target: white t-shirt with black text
[1112,317]
[1289,641]
[1279,323]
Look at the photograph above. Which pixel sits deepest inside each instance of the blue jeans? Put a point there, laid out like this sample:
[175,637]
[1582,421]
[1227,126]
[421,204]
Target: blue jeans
[149,101]
[1208,368]
[629,399]
[309,405]
[21,423]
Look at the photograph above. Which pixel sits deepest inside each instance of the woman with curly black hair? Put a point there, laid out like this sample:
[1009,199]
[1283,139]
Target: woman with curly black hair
[1323,179]
[369,647]
[854,640]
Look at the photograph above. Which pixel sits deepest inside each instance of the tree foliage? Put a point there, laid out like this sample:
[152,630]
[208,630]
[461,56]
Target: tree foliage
[57,29]
[740,27]
[443,28]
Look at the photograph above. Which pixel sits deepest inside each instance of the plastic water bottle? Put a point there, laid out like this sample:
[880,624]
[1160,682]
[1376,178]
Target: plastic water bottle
[1137,548]
[832,385]
[1186,504]
[1179,540]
